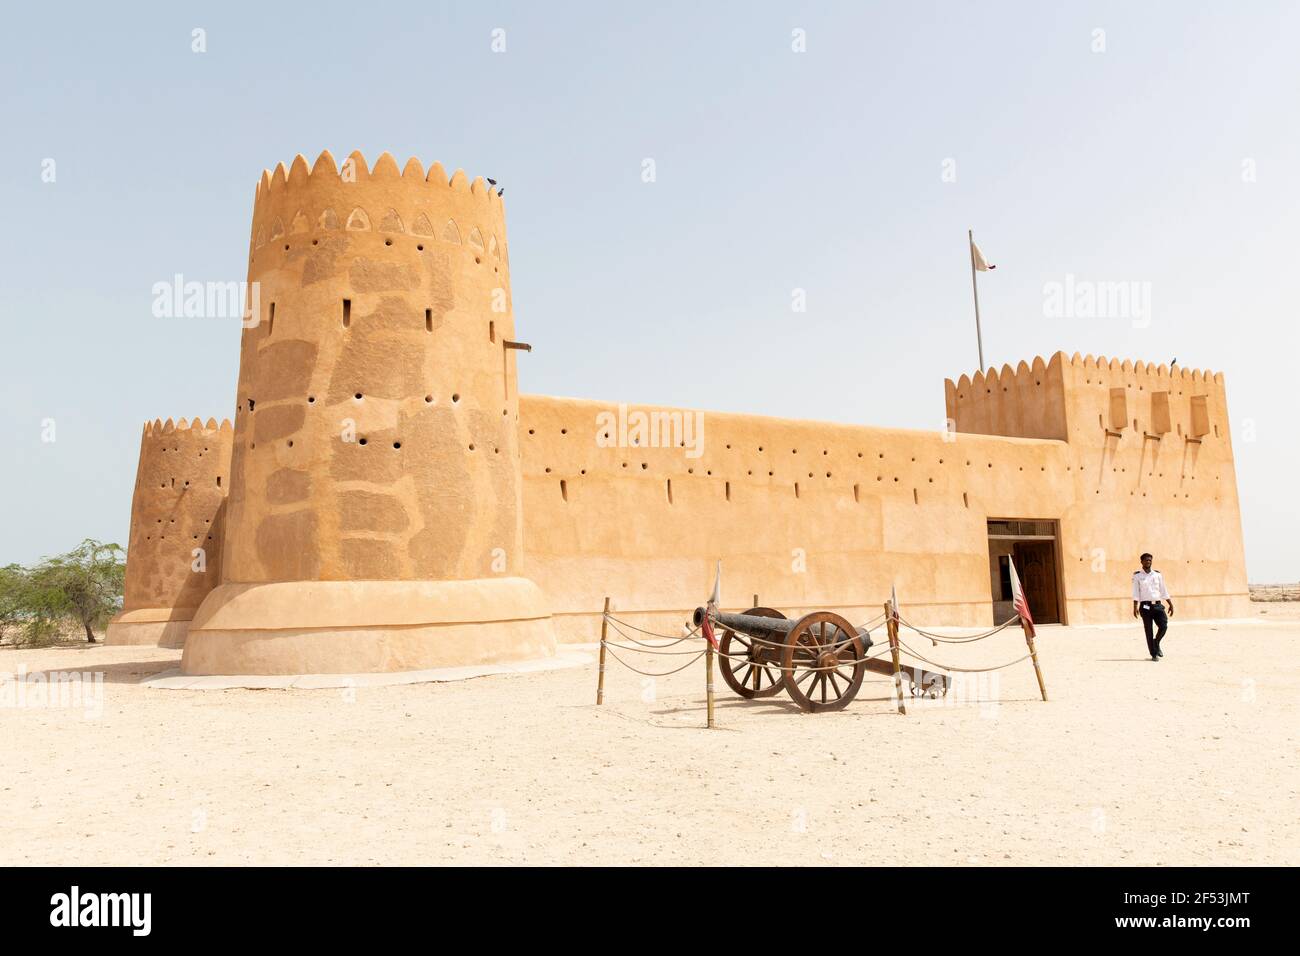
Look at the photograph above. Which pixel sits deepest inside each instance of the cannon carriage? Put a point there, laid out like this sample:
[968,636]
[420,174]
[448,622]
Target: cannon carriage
[819,659]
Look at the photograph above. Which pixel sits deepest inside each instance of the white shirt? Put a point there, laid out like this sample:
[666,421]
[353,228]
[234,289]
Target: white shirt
[1149,586]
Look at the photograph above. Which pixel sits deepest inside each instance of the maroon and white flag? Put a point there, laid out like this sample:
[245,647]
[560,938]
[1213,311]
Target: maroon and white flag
[977,259]
[706,626]
[1018,599]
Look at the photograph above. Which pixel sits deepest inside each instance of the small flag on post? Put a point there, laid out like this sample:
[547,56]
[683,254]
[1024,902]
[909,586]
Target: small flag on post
[977,264]
[1018,599]
[706,626]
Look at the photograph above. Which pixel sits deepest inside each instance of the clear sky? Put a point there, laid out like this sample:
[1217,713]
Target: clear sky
[1171,157]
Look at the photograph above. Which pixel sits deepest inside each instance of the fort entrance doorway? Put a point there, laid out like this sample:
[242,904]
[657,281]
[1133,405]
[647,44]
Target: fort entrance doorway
[1033,545]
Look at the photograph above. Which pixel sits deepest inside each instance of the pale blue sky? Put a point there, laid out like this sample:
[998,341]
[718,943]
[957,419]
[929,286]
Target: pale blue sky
[776,171]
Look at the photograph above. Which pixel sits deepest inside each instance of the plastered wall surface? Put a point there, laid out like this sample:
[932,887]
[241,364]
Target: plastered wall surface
[810,515]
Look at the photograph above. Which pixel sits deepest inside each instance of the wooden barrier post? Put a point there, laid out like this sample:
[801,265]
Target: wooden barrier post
[755,604]
[604,633]
[1033,655]
[891,627]
[708,683]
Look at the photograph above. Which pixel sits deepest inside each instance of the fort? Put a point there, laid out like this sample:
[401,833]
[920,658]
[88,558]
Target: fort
[394,504]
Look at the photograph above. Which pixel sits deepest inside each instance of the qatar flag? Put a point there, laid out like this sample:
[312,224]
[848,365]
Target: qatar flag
[1018,599]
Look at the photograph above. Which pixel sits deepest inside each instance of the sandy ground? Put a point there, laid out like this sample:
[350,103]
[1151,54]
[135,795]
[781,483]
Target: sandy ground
[1192,760]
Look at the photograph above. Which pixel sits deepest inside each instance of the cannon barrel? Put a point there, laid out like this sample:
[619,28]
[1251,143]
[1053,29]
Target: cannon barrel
[774,629]
[751,625]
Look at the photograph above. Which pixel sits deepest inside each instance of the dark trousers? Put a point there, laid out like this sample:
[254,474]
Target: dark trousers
[1153,612]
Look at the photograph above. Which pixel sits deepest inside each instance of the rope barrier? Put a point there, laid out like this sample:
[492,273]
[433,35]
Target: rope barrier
[804,659]
[644,648]
[667,637]
[651,648]
[695,632]
[649,673]
[661,649]
[647,650]
[960,670]
[959,640]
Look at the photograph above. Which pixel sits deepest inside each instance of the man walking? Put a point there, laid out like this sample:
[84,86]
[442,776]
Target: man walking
[1148,591]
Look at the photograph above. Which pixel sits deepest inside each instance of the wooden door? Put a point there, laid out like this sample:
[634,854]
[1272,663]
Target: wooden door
[1036,564]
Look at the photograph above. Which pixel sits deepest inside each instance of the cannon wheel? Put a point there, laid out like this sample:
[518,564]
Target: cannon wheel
[814,662]
[753,677]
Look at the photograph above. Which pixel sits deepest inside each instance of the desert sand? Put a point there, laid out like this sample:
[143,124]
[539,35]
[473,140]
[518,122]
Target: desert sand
[1192,760]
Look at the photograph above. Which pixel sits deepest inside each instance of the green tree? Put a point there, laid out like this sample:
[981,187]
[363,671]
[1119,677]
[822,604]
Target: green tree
[85,584]
[13,597]
[29,607]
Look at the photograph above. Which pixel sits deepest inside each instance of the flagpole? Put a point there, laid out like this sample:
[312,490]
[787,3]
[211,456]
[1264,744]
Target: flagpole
[979,338]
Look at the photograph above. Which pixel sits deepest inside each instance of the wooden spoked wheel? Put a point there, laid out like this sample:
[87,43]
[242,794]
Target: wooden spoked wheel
[822,662]
[758,674]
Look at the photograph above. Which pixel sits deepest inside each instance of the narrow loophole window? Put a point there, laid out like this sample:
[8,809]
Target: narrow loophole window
[218,481]
[857,493]
[728,484]
[796,489]
[564,489]
[669,485]
[270,321]
[347,313]
[492,331]
[965,499]
[916,498]
[428,320]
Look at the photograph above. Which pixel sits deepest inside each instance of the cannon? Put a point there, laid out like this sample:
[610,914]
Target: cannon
[819,659]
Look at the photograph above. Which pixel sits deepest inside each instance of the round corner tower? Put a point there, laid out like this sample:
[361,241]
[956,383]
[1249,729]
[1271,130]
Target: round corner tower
[173,556]
[374,519]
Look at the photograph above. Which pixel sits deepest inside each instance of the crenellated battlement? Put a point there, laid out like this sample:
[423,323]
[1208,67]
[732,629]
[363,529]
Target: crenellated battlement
[1113,400]
[382,199]
[158,427]
[1086,398]
[1027,401]
[1139,367]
